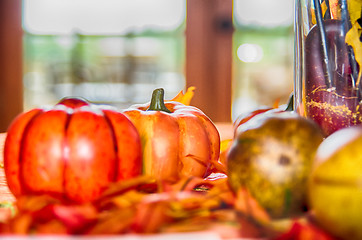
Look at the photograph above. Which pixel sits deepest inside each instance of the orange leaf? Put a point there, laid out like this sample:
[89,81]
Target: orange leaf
[150,216]
[51,227]
[219,166]
[306,231]
[354,9]
[276,103]
[352,38]
[20,224]
[335,9]
[118,188]
[113,222]
[221,190]
[224,149]
[185,98]
[34,203]
[74,216]
[225,145]
[248,205]
[323,8]
[184,184]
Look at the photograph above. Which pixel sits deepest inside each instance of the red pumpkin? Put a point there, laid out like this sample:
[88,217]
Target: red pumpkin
[72,150]
[264,111]
[243,118]
[177,140]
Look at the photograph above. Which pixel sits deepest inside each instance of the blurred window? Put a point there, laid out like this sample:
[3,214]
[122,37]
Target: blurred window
[108,51]
[263,54]
[264,13]
[101,17]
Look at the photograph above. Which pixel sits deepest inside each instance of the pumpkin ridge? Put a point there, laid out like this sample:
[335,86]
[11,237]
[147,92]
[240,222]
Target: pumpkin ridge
[182,129]
[21,157]
[65,154]
[215,149]
[115,146]
[148,153]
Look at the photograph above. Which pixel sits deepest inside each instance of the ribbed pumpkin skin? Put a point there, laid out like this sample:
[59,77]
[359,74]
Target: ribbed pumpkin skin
[72,151]
[181,143]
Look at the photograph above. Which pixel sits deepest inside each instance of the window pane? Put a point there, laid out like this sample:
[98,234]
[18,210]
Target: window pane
[106,51]
[101,16]
[266,13]
[263,54]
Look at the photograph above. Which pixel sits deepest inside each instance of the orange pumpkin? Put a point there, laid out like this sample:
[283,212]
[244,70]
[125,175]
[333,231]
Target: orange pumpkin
[72,150]
[177,140]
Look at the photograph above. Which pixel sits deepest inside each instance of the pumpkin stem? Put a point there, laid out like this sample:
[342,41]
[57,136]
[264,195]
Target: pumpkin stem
[157,101]
[290,106]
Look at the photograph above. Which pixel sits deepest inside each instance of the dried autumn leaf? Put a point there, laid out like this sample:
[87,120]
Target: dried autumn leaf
[354,9]
[20,224]
[323,8]
[185,98]
[75,217]
[184,184]
[249,206]
[118,188]
[222,223]
[353,35]
[127,208]
[34,203]
[192,206]
[51,227]
[221,165]
[299,231]
[147,210]
[254,220]
[55,218]
[7,209]
[123,201]
[335,9]
[117,221]
[220,190]
[352,39]
[188,225]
